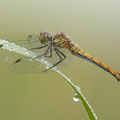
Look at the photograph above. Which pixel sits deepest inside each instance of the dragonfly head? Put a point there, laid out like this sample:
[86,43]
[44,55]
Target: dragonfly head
[44,37]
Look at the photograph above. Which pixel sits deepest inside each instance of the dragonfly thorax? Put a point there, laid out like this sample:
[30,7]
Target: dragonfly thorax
[56,39]
[62,40]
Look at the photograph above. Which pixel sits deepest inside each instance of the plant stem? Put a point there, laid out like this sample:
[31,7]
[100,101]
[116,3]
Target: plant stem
[11,47]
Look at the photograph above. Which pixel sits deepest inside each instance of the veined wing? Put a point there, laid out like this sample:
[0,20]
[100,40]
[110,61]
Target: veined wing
[55,58]
[29,65]
[25,64]
[32,42]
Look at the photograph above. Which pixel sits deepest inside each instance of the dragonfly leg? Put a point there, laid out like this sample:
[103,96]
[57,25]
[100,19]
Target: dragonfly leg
[50,55]
[18,60]
[44,54]
[39,47]
[59,53]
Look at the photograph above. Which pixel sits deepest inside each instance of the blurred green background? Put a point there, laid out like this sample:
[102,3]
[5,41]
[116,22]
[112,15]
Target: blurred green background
[95,25]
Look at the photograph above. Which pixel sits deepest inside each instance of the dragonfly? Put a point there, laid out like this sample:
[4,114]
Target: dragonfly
[56,48]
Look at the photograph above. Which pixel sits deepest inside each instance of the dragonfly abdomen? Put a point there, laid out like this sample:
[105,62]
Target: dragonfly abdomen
[78,51]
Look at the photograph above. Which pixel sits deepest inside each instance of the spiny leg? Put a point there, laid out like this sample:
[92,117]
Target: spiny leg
[30,36]
[18,60]
[39,47]
[44,54]
[50,55]
[58,52]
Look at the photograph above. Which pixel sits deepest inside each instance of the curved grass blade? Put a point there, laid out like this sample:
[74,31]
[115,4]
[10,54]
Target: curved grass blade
[20,50]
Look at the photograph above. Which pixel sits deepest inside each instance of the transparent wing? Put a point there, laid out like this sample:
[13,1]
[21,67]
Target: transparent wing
[25,64]
[32,42]
[55,58]
[8,56]
[29,65]
[21,64]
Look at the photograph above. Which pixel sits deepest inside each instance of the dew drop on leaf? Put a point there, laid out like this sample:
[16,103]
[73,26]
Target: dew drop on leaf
[76,98]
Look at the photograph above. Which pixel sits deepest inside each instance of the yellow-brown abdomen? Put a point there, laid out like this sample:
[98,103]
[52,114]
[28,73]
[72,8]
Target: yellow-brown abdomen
[78,51]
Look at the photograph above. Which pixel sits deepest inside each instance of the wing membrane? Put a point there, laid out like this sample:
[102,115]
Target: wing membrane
[25,64]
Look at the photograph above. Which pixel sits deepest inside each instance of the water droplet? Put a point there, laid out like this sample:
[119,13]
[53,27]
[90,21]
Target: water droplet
[76,98]
[78,88]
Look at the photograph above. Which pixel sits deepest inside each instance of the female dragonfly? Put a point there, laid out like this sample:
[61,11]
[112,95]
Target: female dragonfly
[55,43]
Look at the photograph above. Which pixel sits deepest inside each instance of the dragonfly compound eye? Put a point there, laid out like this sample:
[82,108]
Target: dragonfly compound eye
[44,33]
